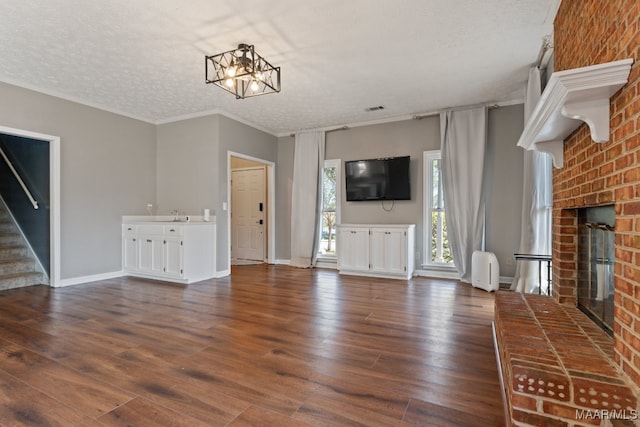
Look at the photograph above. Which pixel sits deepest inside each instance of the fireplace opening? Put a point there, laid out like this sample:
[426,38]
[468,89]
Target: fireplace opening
[596,258]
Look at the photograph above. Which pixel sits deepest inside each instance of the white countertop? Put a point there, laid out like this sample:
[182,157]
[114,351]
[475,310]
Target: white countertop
[167,219]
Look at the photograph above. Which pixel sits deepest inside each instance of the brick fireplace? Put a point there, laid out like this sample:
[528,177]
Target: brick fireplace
[558,366]
[590,32]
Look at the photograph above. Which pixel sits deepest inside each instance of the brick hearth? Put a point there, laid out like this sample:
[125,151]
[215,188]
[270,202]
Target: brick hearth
[557,365]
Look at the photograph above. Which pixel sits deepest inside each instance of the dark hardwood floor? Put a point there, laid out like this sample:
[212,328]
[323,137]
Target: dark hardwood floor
[268,346]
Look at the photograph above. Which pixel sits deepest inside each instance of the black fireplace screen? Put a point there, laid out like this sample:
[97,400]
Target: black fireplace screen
[596,256]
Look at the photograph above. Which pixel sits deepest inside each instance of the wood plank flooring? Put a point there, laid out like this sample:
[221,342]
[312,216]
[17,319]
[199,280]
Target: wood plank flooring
[268,346]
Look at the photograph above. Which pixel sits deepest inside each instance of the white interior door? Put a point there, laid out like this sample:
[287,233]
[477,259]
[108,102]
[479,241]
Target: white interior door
[248,213]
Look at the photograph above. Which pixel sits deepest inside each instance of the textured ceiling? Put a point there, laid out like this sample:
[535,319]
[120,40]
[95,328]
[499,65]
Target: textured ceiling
[145,58]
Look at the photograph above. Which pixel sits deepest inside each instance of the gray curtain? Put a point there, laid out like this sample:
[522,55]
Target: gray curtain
[306,198]
[535,234]
[463,137]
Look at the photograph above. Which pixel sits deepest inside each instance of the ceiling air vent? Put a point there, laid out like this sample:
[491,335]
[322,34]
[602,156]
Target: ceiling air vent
[376,108]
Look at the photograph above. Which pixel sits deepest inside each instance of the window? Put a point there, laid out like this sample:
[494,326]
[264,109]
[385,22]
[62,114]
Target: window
[330,208]
[437,251]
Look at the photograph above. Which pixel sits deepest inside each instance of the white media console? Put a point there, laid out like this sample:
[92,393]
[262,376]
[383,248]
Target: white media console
[378,250]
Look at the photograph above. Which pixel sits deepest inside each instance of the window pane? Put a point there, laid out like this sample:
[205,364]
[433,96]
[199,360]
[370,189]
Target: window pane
[328,233]
[436,225]
[438,197]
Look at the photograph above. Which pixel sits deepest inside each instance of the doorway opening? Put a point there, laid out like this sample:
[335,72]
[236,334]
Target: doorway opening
[53,261]
[251,210]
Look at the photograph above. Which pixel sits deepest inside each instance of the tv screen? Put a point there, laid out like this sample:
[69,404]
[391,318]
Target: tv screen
[378,179]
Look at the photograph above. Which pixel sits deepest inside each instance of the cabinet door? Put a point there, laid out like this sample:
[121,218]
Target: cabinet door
[388,250]
[129,253]
[152,254]
[378,252]
[353,249]
[395,246]
[173,256]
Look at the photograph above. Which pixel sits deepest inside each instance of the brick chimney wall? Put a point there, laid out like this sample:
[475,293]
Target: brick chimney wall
[589,32]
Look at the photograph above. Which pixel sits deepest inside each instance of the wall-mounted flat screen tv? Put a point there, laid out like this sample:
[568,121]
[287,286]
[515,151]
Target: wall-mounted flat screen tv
[378,179]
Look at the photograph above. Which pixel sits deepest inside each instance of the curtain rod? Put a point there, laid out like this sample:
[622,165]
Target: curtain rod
[546,45]
[292,135]
[464,107]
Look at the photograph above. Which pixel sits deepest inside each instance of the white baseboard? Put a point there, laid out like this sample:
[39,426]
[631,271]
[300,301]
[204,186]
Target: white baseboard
[506,279]
[86,279]
[438,274]
[282,262]
[327,264]
[223,273]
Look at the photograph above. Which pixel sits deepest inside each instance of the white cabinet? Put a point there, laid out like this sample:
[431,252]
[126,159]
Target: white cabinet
[130,251]
[173,262]
[376,250]
[183,253]
[151,258]
[353,248]
[389,250]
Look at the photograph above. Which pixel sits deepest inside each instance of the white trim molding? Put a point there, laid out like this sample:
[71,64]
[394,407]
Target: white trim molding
[222,273]
[87,279]
[570,98]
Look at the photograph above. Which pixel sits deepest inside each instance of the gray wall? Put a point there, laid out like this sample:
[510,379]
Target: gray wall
[284,184]
[238,138]
[503,176]
[187,166]
[413,137]
[192,168]
[108,169]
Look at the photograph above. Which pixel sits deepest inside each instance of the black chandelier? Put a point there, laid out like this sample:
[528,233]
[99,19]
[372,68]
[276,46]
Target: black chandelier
[242,72]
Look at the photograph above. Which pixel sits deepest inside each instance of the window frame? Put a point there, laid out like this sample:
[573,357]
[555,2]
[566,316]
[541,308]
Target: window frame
[427,173]
[337,164]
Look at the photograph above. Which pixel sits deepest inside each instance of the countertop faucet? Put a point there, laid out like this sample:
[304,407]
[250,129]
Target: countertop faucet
[175,214]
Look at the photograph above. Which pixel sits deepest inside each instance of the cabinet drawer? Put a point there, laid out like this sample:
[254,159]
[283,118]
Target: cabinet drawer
[149,229]
[129,229]
[173,230]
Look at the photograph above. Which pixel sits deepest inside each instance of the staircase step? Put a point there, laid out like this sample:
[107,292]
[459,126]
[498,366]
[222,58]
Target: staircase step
[7,226]
[17,266]
[21,264]
[9,239]
[20,280]
[13,250]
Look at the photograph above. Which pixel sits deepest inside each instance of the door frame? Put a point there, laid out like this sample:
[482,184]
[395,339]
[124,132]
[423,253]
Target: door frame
[54,197]
[271,204]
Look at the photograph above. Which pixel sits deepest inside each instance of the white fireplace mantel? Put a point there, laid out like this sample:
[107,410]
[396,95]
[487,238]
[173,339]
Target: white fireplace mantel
[570,98]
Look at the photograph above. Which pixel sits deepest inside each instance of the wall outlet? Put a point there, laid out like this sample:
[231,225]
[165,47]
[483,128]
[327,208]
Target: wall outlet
[417,255]
[510,261]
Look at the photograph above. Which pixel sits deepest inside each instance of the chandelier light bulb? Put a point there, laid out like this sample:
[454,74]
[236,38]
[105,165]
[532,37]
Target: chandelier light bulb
[231,71]
[228,82]
[254,85]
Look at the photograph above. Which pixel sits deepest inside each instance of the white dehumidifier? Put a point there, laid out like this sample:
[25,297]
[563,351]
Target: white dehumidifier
[485,271]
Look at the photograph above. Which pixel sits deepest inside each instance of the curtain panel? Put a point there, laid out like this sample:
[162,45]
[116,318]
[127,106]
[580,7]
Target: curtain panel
[306,198]
[535,234]
[464,137]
